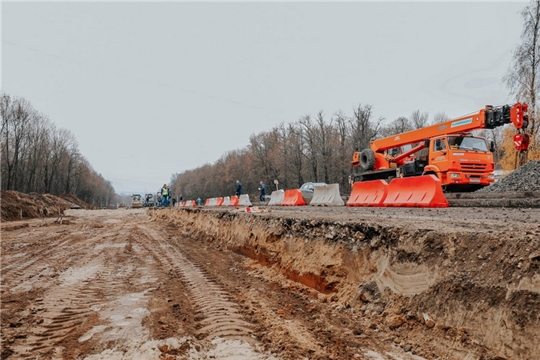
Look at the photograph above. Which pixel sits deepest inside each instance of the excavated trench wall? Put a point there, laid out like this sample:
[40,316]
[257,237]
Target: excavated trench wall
[475,295]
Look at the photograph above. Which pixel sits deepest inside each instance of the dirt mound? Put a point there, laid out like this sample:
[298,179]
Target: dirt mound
[526,178]
[16,206]
[77,201]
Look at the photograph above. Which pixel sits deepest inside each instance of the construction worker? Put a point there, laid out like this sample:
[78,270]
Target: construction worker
[165,195]
[262,190]
[238,188]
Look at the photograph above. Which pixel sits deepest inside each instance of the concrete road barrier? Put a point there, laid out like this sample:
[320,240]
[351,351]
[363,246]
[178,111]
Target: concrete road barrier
[326,195]
[244,200]
[276,198]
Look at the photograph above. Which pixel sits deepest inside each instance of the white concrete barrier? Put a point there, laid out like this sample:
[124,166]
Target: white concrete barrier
[244,200]
[327,195]
[276,198]
[226,201]
[213,202]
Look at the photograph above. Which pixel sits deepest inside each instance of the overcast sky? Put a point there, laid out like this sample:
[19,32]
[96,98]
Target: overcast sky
[153,89]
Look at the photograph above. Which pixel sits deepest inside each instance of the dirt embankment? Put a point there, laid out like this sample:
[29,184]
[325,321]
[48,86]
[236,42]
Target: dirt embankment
[449,283]
[17,206]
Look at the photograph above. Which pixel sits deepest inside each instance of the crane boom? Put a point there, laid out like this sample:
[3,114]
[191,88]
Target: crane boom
[488,118]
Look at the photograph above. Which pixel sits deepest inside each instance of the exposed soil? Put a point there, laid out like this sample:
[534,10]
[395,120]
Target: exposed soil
[280,283]
[18,206]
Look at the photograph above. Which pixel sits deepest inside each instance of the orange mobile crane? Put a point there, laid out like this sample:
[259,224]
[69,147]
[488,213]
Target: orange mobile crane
[461,161]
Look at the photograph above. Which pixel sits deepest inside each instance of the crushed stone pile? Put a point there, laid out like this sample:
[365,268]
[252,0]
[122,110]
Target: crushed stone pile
[525,178]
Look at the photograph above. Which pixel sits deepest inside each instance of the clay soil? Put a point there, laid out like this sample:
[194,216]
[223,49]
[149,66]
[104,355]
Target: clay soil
[280,283]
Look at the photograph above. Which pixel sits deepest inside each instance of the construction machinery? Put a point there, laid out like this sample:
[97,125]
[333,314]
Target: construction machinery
[414,168]
[149,200]
[457,160]
[136,201]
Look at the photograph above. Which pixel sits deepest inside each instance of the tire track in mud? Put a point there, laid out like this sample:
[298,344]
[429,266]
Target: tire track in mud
[216,315]
[72,296]
[18,268]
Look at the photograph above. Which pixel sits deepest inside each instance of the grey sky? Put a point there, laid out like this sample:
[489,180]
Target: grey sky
[152,89]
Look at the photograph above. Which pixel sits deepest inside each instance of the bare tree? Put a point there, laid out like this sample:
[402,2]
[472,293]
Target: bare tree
[522,79]
[398,126]
[418,119]
[309,132]
[17,116]
[439,118]
[38,157]
[363,129]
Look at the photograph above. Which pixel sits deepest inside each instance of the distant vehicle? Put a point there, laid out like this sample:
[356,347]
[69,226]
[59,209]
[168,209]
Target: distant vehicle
[136,201]
[149,200]
[307,190]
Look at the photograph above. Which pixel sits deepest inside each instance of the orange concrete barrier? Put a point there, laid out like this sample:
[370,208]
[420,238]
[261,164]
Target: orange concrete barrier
[416,191]
[207,202]
[234,200]
[368,193]
[293,198]
[219,201]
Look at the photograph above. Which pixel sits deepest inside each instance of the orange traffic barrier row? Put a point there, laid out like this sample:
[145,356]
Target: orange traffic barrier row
[293,198]
[368,193]
[417,191]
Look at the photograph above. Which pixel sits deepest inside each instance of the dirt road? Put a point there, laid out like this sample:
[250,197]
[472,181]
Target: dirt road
[292,284]
[111,284]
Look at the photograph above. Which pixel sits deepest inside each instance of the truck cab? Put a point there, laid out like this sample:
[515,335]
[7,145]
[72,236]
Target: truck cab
[460,161]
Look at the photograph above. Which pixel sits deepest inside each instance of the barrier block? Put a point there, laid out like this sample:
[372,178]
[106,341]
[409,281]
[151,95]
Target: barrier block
[276,198]
[244,200]
[226,201]
[219,201]
[193,203]
[234,200]
[416,191]
[293,198]
[368,193]
[326,195]
[207,202]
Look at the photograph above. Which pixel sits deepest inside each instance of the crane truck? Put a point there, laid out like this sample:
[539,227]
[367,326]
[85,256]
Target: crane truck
[461,161]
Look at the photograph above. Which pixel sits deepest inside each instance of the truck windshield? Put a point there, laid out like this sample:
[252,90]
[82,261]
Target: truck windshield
[467,143]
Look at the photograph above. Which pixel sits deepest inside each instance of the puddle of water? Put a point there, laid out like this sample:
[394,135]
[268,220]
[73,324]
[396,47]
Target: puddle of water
[73,275]
[226,349]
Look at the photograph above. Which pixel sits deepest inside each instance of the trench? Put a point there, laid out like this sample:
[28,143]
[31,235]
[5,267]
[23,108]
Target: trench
[315,281]
[459,290]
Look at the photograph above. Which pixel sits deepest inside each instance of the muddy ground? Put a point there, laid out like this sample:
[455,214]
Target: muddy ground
[280,283]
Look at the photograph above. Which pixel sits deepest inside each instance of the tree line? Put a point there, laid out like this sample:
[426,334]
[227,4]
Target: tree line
[36,156]
[314,148]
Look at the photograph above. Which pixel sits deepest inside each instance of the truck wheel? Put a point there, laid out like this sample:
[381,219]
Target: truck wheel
[367,160]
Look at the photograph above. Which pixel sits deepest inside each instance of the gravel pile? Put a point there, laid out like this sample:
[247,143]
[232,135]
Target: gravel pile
[525,178]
